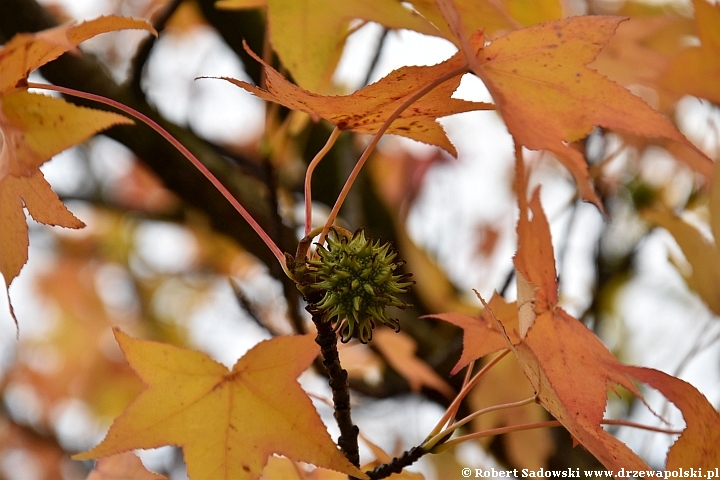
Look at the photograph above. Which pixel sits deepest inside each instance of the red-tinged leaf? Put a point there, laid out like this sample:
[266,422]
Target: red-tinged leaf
[366,110]
[228,422]
[41,202]
[123,466]
[696,70]
[569,367]
[25,52]
[548,96]
[699,443]
[399,350]
[571,370]
[481,335]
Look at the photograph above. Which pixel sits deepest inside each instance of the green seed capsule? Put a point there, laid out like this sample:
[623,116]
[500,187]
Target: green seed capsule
[357,279]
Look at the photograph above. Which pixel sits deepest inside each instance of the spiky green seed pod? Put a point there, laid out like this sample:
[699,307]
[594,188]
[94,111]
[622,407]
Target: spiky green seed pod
[358,280]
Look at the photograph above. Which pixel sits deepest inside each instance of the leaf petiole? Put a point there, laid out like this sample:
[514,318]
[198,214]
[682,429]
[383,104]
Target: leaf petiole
[376,138]
[434,436]
[182,149]
[547,424]
[308,176]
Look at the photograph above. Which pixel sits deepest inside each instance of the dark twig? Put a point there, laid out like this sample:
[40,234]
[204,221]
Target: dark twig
[327,339]
[143,52]
[376,57]
[397,464]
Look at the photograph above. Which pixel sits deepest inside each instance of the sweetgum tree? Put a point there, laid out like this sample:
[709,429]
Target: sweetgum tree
[348,266]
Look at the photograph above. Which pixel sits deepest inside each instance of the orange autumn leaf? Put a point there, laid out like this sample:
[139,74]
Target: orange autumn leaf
[220,417]
[123,466]
[398,348]
[309,35]
[34,128]
[481,335]
[34,194]
[26,52]
[642,48]
[699,443]
[569,367]
[695,71]
[366,110]
[548,97]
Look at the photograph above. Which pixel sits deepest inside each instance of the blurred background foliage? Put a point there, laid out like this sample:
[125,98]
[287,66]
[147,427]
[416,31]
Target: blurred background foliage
[165,258]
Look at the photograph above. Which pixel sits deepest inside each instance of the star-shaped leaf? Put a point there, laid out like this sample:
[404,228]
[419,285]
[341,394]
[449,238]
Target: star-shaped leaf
[366,110]
[548,97]
[228,422]
[569,367]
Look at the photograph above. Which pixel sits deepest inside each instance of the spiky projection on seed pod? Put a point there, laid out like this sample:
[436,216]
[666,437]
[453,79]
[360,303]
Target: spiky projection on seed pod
[359,282]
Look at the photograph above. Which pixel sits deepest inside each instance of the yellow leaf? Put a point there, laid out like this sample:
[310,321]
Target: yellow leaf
[496,18]
[35,127]
[548,97]
[366,110]
[696,71]
[532,12]
[309,35]
[227,422]
[472,15]
[702,253]
[25,52]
